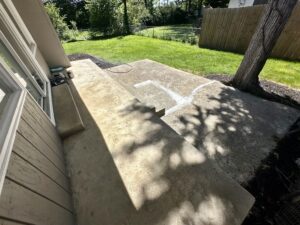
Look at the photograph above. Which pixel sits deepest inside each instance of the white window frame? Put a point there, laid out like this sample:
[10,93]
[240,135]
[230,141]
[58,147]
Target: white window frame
[10,117]
[31,58]
[19,21]
[22,65]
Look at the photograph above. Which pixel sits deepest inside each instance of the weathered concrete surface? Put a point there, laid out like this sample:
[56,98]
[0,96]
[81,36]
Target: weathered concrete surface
[135,76]
[129,168]
[235,129]
[67,116]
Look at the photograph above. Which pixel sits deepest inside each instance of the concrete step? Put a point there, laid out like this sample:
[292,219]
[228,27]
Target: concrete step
[156,84]
[129,167]
[227,125]
[143,94]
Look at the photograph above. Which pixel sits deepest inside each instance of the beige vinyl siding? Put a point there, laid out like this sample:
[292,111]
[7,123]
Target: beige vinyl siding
[39,57]
[36,188]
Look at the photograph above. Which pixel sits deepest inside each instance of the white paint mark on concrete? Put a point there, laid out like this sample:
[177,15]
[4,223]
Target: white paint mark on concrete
[181,101]
[194,92]
[143,84]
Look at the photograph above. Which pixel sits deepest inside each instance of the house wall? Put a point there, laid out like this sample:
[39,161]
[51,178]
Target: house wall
[18,48]
[40,59]
[42,31]
[20,26]
[36,188]
[240,3]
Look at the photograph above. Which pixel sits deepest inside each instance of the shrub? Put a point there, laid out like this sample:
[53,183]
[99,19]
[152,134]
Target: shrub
[170,14]
[58,21]
[103,15]
[193,41]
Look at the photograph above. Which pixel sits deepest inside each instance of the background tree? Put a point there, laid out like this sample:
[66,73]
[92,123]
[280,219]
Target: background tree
[272,23]
[103,15]
[57,20]
[73,10]
[125,18]
[217,3]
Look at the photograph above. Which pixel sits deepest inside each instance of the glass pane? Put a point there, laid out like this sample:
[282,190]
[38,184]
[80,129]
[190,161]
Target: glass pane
[20,73]
[4,95]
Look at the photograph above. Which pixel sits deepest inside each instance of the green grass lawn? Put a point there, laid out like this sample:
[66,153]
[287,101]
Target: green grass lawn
[181,56]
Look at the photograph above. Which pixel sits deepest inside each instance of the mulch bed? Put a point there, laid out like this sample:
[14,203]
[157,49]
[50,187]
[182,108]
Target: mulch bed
[268,86]
[100,62]
[276,184]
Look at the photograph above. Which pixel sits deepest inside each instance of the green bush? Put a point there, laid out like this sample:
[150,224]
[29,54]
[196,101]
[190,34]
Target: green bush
[58,21]
[103,15]
[170,14]
[194,41]
[73,10]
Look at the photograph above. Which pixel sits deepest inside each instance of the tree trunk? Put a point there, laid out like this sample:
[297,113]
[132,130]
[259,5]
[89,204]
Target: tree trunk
[126,21]
[273,21]
[186,5]
[189,6]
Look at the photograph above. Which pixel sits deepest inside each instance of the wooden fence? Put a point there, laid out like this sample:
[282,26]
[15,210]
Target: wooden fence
[232,30]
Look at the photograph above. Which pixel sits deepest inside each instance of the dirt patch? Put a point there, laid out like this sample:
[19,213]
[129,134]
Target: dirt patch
[277,183]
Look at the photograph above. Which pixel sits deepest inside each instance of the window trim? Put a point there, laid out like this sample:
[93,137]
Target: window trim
[14,12]
[19,40]
[22,65]
[12,115]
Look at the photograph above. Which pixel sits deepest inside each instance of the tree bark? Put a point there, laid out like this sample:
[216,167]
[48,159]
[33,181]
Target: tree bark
[126,20]
[272,23]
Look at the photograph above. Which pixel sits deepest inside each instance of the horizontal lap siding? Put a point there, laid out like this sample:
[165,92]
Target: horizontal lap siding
[232,30]
[7,222]
[36,188]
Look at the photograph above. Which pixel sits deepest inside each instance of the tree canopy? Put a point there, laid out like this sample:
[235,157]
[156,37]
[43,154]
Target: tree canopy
[116,16]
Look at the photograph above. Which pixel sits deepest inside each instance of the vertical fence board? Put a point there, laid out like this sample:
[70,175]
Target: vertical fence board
[232,30]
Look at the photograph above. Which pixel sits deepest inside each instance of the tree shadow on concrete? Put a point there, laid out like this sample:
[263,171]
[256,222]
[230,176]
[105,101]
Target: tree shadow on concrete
[157,177]
[235,129]
[181,185]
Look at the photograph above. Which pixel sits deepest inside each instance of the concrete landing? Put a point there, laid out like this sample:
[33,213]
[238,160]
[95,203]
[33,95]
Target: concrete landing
[235,129]
[129,168]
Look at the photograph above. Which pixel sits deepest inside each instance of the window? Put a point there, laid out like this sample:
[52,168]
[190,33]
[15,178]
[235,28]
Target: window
[21,26]
[35,80]
[16,80]
[12,97]
[31,82]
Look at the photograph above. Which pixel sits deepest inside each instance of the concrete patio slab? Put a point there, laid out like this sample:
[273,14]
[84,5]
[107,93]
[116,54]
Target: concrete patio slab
[235,129]
[138,77]
[130,168]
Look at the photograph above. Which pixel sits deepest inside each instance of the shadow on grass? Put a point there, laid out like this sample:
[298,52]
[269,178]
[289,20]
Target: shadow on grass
[104,37]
